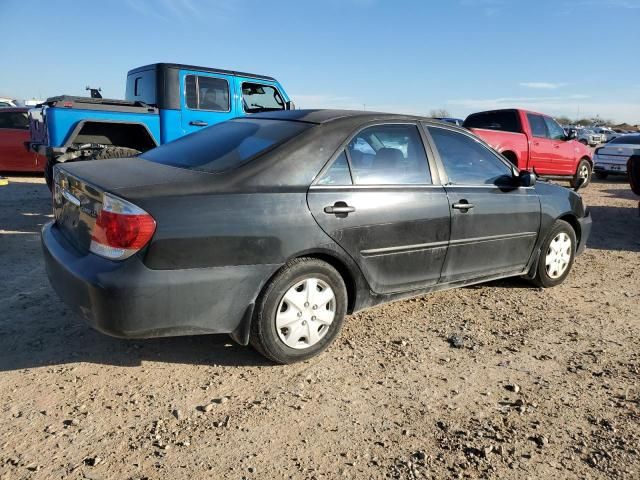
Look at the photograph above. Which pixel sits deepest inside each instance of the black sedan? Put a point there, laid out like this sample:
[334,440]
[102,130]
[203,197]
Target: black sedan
[272,228]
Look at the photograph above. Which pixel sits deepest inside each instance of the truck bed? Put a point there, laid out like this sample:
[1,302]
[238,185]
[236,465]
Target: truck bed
[88,103]
[505,142]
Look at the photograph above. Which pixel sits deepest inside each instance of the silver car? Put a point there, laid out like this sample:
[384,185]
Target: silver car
[612,158]
[589,137]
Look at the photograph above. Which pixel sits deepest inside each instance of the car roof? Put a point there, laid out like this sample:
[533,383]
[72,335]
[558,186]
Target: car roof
[319,116]
[182,66]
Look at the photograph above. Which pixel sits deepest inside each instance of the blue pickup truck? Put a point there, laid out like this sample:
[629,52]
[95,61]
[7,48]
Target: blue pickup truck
[163,102]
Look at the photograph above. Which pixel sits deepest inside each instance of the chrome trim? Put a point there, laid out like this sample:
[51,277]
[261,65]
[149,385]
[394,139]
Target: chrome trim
[425,246]
[70,197]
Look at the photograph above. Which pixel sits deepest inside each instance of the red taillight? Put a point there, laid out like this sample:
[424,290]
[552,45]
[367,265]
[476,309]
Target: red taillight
[121,229]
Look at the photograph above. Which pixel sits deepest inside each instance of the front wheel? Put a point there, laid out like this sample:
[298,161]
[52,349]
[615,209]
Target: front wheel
[557,255]
[300,312]
[583,171]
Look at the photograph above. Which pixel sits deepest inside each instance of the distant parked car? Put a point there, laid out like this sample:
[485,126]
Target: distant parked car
[14,134]
[588,137]
[608,133]
[228,231]
[7,103]
[612,158]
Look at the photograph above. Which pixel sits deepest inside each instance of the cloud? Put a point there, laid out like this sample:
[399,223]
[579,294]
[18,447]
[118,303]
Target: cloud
[543,85]
[184,11]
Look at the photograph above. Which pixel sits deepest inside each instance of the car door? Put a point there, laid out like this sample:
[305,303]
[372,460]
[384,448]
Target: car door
[207,99]
[14,131]
[494,224]
[540,146]
[380,202]
[563,152]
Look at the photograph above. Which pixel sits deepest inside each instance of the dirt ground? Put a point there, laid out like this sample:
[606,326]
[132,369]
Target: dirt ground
[544,384]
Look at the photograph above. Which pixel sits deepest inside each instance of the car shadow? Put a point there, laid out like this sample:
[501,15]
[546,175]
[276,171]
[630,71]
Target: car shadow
[38,330]
[615,228]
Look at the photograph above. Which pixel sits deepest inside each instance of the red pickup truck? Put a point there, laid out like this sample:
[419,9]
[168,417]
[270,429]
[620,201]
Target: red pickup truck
[535,142]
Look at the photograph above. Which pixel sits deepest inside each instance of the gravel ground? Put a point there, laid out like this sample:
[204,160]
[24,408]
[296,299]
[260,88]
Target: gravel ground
[500,380]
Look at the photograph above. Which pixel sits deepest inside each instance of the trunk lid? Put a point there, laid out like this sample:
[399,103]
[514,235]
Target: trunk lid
[79,188]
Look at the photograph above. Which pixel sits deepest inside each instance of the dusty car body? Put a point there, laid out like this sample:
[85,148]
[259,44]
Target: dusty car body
[331,212]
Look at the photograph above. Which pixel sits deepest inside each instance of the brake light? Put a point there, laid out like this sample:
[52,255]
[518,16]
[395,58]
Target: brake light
[121,229]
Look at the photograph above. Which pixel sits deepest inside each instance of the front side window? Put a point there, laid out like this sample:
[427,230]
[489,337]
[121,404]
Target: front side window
[467,161]
[538,125]
[227,145]
[207,93]
[389,155]
[556,132]
[16,120]
[257,97]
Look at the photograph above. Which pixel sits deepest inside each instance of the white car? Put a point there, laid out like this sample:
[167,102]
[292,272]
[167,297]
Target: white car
[612,158]
[7,102]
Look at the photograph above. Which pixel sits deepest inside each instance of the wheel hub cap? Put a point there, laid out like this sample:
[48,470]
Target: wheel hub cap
[558,255]
[305,313]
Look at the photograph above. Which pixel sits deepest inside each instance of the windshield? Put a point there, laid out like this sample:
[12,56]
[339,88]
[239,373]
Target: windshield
[626,140]
[227,145]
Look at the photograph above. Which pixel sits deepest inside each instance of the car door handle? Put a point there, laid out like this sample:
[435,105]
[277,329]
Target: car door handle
[462,205]
[198,123]
[339,208]
[556,146]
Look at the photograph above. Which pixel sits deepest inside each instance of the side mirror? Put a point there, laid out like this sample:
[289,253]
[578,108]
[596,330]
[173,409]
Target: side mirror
[290,105]
[572,135]
[580,181]
[527,179]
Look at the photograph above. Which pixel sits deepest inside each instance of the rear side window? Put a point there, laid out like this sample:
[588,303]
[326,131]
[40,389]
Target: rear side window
[505,120]
[338,173]
[467,161]
[17,120]
[626,140]
[207,93]
[226,145]
[257,97]
[537,124]
[389,155]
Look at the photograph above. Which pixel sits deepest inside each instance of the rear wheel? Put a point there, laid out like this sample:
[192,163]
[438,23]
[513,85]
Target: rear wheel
[300,312]
[583,171]
[557,255]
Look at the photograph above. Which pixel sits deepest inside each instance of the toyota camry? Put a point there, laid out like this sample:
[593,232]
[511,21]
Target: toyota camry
[274,227]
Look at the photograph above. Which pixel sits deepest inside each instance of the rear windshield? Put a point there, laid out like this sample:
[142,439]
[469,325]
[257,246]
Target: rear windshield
[505,120]
[227,145]
[626,140]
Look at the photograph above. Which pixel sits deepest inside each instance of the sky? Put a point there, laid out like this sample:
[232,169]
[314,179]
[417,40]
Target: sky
[574,58]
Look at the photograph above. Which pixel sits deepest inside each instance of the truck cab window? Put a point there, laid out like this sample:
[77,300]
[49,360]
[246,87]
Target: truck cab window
[17,120]
[556,132]
[207,93]
[538,126]
[258,97]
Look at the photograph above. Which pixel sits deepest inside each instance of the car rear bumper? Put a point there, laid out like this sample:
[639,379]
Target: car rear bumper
[610,167]
[126,299]
[585,230]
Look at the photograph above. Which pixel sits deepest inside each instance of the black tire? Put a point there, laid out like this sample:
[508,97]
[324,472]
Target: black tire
[601,175]
[584,164]
[542,277]
[102,154]
[264,335]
